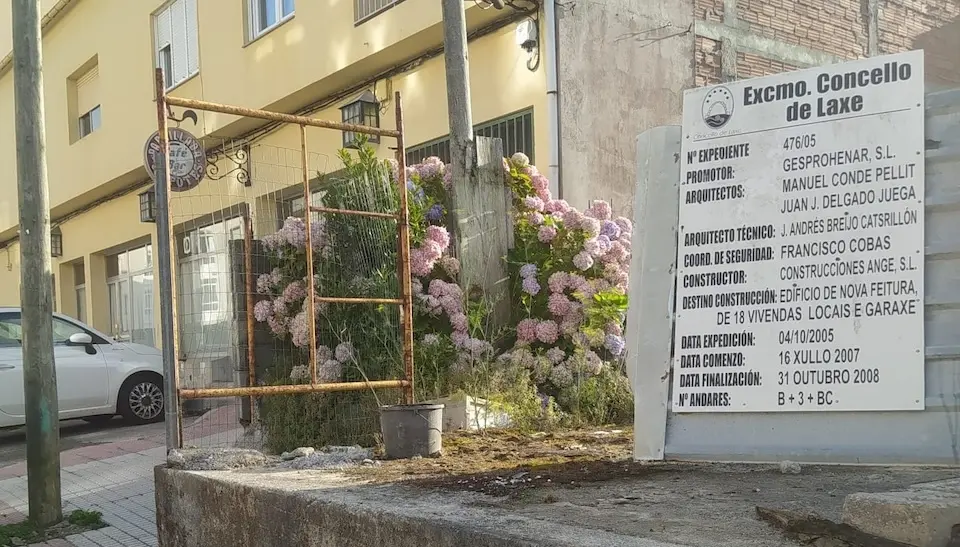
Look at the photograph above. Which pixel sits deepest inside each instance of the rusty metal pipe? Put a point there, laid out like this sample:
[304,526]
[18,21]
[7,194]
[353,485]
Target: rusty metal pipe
[249,287]
[311,289]
[372,214]
[403,231]
[278,117]
[358,300]
[293,389]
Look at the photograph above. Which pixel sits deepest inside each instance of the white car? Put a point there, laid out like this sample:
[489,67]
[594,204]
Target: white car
[97,378]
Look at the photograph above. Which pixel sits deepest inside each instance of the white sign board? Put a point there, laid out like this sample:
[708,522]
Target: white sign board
[800,249]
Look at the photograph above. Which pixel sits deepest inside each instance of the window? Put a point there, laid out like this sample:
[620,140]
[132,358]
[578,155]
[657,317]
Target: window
[80,288]
[129,285]
[293,207]
[364,10]
[11,331]
[177,37]
[89,122]
[88,101]
[516,131]
[266,14]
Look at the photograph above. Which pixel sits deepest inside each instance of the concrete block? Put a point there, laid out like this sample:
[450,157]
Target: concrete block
[917,517]
[314,509]
[462,412]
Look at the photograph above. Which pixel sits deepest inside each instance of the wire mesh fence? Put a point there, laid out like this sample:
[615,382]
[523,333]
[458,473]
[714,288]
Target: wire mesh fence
[292,295]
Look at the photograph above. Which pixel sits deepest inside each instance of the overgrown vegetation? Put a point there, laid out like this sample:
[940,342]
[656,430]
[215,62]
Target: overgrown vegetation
[559,361]
[26,532]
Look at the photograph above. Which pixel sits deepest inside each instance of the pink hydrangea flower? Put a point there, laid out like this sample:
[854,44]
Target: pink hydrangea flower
[330,371]
[590,226]
[459,338]
[600,210]
[583,261]
[262,310]
[558,304]
[546,234]
[450,265]
[533,203]
[459,322]
[558,281]
[548,331]
[527,330]
[626,227]
[535,218]
[439,235]
[344,352]
[572,219]
[541,186]
[614,327]
[556,355]
[556,206]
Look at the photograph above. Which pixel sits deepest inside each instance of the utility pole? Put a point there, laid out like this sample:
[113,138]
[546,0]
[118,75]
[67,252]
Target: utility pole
[39,373]
[462,156]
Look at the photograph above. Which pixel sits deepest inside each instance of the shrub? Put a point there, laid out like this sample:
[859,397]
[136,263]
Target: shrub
[560,360]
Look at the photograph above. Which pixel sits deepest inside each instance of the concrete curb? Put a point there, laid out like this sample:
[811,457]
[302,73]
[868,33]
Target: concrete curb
[229,508]
[923,515]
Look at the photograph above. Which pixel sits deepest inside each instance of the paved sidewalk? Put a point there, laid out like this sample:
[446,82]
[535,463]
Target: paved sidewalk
[115,479]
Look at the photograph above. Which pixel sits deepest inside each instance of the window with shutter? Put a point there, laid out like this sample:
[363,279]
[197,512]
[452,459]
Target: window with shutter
[176,33]
[88,102]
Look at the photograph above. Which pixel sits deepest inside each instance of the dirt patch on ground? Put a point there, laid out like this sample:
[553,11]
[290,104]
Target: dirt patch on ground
[505,462]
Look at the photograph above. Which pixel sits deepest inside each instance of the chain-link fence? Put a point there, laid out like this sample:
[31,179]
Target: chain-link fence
[291,290]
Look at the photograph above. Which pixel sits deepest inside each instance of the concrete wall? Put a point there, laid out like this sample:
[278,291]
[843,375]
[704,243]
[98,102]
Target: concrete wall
[624,64]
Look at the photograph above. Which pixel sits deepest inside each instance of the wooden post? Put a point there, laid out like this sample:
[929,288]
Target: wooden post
[39,372]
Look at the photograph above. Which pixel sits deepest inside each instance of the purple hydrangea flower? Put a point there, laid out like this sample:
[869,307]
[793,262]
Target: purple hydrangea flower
[528,270]
[530,286]
[435,213]
[614,344]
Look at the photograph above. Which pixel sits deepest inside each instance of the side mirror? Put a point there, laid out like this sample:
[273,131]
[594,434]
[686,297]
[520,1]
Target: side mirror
[80,339]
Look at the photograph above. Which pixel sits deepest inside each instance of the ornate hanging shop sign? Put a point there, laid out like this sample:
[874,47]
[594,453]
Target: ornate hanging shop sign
[188,160]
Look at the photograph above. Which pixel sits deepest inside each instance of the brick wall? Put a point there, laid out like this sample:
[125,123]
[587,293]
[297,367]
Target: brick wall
[833,26]
[838,28]
[707,61]
[753,66]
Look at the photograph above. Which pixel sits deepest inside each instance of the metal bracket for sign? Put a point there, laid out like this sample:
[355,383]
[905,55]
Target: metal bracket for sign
[239,156]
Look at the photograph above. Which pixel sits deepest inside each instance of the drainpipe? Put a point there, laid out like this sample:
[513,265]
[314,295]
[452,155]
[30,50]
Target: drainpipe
[553,98]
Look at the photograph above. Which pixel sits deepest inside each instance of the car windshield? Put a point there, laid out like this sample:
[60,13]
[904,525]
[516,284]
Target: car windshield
[11,332]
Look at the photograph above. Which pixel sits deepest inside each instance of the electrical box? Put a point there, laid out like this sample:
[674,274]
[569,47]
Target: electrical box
[527,34]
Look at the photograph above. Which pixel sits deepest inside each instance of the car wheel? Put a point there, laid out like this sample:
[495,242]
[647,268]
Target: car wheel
[141,399]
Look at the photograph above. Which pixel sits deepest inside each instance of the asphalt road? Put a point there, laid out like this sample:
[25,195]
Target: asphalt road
[75,434]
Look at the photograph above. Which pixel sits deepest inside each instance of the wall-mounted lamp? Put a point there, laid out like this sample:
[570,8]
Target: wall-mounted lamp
[56,242]
[148,206]
[363,111]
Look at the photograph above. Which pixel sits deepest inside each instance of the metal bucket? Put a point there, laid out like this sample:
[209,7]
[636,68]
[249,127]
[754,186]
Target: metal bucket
[411,430]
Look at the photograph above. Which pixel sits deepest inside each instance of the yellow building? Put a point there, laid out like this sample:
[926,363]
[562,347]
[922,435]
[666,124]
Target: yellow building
[297,56]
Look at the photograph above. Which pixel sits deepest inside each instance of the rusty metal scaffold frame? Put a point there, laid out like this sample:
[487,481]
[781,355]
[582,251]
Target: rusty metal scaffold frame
[405,301]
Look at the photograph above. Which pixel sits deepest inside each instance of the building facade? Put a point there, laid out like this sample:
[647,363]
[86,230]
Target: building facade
[623,64]
[313,58]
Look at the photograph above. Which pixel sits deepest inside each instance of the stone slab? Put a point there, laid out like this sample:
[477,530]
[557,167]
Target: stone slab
[918,516]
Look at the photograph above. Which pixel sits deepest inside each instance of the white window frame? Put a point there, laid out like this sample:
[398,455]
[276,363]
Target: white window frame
[91,120]
[80,292]
[179,61]
[253,11]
